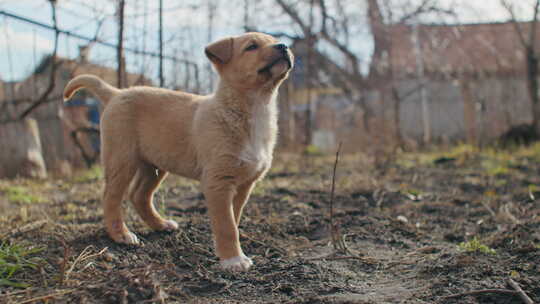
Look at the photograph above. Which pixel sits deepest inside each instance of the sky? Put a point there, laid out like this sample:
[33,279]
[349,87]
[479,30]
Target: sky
[22,46]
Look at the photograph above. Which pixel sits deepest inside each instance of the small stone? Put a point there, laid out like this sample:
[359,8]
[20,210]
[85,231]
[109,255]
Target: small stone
[109,257]
[402,219]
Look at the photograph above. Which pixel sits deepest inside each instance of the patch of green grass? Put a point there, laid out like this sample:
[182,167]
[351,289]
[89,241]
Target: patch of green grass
[313,150]
[260,189]
[414,192]
[15,258]
[499,170]
[474,245]
[428,158]
[90,175]
[496,167]
[20,194]
[462,149]
[159,202]
[406,162]
[532,151]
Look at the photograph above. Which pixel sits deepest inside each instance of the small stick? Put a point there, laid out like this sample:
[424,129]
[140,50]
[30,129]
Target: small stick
[84,255]
[17,292]
[520,291]
[488,208]
[506,210]
[26,228]
[481,291]
[279,249]
[47,297]
[334,258]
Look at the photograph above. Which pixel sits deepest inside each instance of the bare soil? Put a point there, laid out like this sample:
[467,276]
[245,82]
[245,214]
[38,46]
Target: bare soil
[401,223]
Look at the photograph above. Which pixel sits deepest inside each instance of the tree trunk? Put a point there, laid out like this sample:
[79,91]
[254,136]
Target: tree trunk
[532,86]
[380,37]
[396,101]
[20,150]
[291,120]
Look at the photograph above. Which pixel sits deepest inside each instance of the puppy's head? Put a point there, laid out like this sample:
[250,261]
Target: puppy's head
[251,61]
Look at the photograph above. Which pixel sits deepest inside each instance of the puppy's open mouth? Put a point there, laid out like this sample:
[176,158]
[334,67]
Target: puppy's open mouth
[267,68]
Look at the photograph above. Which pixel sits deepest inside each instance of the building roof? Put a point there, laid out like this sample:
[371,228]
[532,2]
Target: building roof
[450,50]
[105,73]
[76,67]
[67,69]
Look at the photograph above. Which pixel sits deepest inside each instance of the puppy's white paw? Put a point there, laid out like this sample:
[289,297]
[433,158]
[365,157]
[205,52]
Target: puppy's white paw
[170,225]
[238,263]
[127,238]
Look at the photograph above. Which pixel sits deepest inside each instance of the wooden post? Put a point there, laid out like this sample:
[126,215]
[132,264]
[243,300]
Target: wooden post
[120,49]
[423,91]
[161,77]
[469,111]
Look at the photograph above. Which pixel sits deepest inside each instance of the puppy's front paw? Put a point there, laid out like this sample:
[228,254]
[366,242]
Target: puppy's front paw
[126,237]
[169,225]
[238,263]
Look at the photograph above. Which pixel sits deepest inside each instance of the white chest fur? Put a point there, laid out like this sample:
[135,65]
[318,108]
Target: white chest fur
[262,129]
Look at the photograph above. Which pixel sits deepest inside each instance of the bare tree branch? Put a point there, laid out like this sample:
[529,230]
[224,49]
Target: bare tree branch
[54,65]
[88,159]
[427,6]
[333,41]
[534,26]
[519,30]
[295,17]
[532,58]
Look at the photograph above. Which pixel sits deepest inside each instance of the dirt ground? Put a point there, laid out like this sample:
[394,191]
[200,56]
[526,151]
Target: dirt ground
[422,228]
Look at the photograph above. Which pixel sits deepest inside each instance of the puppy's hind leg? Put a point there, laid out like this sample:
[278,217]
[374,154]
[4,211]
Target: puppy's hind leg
[117,178]
[146,181]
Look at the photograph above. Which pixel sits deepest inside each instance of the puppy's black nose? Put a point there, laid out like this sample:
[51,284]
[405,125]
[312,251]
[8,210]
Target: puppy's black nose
[281,46]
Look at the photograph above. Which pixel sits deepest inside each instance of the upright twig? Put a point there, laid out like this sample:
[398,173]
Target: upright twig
[65,260]
[337,240]
[332,191]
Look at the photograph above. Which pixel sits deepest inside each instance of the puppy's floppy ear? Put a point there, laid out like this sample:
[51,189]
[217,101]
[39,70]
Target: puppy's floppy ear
[220,51]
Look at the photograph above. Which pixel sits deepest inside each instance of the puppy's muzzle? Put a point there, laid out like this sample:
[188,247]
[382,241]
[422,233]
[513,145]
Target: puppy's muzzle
[283,55]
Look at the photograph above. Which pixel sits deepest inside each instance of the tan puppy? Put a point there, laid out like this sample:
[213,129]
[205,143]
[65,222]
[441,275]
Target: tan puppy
[225,140]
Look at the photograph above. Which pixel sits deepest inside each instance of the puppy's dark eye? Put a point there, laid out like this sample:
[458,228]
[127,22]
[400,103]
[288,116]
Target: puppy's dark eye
[252,47]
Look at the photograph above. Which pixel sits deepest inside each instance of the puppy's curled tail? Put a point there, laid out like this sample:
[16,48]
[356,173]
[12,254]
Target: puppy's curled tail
[99,88]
